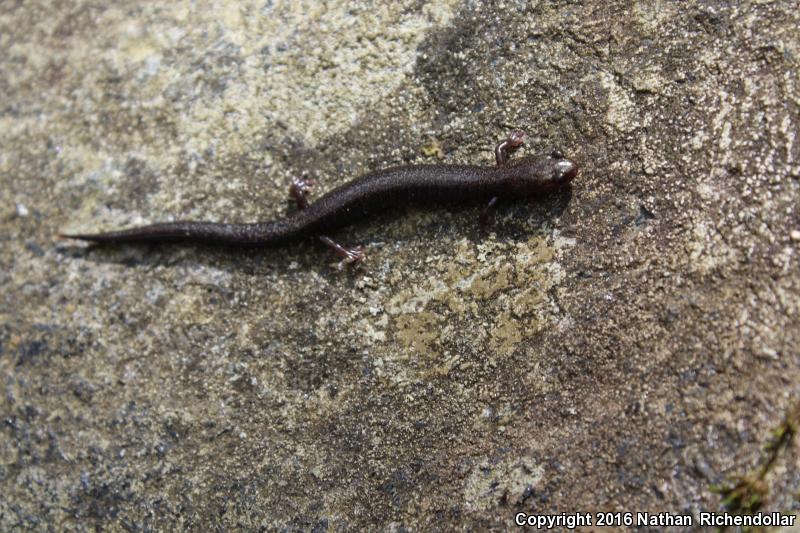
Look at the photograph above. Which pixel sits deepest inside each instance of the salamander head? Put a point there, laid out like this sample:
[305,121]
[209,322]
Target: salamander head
[535,174]
[564,170]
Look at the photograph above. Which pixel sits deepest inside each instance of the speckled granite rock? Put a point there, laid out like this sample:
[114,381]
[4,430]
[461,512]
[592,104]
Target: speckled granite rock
[626,346]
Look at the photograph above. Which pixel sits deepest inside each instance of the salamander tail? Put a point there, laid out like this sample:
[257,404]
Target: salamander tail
[196,232]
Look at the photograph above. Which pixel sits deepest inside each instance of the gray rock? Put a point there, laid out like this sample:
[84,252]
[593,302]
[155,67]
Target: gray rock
[626,345]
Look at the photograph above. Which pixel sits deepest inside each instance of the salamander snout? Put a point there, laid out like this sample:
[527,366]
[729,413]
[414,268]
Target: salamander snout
[564,170]
[540,173]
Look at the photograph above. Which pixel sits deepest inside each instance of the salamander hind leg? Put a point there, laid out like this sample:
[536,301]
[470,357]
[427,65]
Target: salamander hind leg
[350,256]
[300,189]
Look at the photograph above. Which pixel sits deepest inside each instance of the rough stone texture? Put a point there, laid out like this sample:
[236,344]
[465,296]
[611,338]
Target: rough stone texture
[628,345]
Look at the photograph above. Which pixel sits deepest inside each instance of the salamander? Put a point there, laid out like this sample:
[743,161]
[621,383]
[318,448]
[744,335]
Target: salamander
[410,184]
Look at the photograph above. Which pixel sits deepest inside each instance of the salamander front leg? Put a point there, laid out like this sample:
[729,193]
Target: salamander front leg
[508,146]
[299,191]
[486,215]
[502,152]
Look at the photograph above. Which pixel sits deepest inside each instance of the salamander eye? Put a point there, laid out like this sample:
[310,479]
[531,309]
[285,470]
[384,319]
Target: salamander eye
[557,154]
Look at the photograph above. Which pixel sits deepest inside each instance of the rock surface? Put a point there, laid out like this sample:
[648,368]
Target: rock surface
[629,345]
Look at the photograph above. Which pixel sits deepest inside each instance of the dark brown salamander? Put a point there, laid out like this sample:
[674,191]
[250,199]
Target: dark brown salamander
[377,190]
